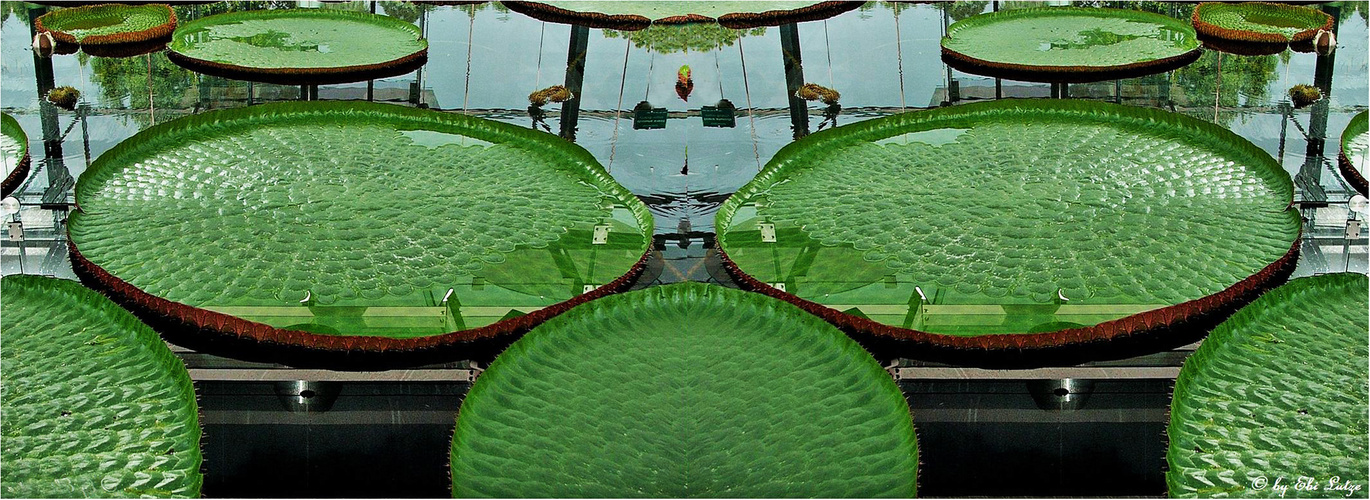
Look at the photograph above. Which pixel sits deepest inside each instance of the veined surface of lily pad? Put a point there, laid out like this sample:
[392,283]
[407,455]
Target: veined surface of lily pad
[1259,22]
[685,390]
[93,403]
[996,218]
[1069,44]
[109,24]
[1277,391]
[299,46]
[14,154]
[1355,148]
[375,220]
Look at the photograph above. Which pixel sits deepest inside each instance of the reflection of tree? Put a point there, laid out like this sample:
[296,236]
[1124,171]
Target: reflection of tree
[18,9]
[962,10]
[126,80]
[671,38]
[1245,79]
[410,12]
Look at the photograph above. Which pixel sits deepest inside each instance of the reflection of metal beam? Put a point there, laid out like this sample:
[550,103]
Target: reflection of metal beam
[1310,174]
[575,77]
[794,78]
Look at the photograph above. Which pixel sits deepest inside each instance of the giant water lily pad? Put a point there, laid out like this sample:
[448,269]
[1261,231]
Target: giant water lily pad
[1355,149]
[1259,22]
[14,153]
[299,46]
[1069,44]
[639,15]
[685,390]
[93,403]
[402,229]
[109,24]
[1275,394]
[965,227]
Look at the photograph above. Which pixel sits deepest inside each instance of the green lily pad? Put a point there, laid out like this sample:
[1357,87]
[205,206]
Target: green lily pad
[1106,210]
[299,46]
[1277,392]
[684,390]
[93,404]
[14,153]
[639,15]
[363,216]
[1355,148]
[1259,22]
[1069,44]
[109,24]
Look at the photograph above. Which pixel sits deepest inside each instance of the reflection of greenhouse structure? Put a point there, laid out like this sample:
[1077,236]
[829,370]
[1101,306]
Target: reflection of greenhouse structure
[467,271]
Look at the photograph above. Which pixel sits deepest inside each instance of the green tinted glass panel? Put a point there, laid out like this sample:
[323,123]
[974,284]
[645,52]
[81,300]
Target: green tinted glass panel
[298,38]
[81,22]
[1071,37]
[685,390]
[1277,392]
[1011,215]
[93,404]
[358,217]
[14,144]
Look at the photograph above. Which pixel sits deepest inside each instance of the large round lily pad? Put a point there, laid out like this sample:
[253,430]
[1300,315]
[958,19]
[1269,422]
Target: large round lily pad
[14,153]
[1277,393]
[1355,149]
[93,403]
[1069,44]
[403,229]
[638,15]
[109,24]
[299,46]
[685,390]
[1259,22]
[966,227]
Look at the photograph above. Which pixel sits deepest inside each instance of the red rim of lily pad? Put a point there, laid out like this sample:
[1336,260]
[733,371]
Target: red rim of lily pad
[15,178]
[1124,337]
[301,75]
[1142,333]
[220,333]
[634,22]
[1064,73]
[161,32]
[223,334]
[1214,31]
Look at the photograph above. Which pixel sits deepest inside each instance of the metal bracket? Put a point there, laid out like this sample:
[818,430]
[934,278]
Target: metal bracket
[779,286]
[1352,229]
[767,233]
[16,231]
[601,235]
[589,288]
